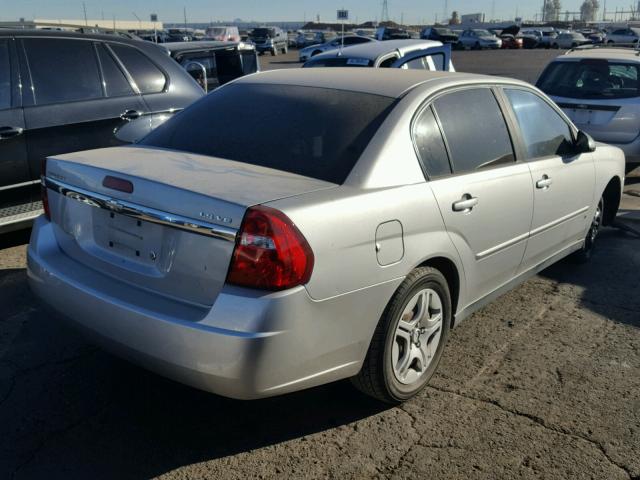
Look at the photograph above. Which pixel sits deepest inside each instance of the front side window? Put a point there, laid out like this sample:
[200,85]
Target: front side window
[146,75]
[315,132]
[5,76]
[430,145]
[544,131]
[596,79]
[63,70]
[475,130]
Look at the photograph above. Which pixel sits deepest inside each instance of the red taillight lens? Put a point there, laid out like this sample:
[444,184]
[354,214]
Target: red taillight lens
[43,190]
[270,252]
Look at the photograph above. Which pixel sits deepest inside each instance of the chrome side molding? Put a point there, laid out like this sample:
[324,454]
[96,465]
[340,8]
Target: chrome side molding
[140,212]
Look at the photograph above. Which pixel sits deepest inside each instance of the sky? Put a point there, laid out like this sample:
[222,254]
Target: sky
[411,11]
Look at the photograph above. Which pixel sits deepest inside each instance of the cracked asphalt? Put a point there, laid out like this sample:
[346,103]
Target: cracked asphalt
[542,383]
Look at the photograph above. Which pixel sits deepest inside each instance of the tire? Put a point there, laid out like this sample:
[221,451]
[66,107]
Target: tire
[274,51]
[396,381]
[459,46]
[556,46]
[477,46]
[586,252]
[285,50]
[574,45]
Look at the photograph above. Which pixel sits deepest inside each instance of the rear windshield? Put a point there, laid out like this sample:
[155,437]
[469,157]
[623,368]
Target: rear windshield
[315,132]
[594,79]
[339,62]
[262,32]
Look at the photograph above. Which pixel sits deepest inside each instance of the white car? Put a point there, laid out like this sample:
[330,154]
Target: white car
[313,50]
[599,90]
[623,35]
[570,40]
[478,39]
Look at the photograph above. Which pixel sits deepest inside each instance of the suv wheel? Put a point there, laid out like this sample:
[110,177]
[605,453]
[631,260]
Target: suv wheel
[409,339]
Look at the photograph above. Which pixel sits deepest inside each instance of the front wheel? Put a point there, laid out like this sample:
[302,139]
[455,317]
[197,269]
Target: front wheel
[285,50]
[585,253]
[409,339]
[274,51]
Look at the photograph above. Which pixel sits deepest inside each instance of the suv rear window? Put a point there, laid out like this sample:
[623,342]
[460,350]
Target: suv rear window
[594,79]
[315,132]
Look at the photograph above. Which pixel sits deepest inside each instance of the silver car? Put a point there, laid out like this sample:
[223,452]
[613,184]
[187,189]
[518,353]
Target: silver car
[478,39]
[337,43]
[344,240]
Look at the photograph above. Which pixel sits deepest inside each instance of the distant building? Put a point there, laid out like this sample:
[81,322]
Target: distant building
[103,24]
[472,18]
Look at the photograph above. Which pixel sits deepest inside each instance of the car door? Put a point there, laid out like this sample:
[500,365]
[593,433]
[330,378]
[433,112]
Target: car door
[562,181]
[433,59]
[15,184]
[78,97]
[486,198]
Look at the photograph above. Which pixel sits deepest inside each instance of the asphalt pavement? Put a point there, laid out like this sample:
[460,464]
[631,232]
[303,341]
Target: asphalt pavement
[542,383]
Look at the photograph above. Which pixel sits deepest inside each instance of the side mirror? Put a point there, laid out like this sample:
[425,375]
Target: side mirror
[584,143]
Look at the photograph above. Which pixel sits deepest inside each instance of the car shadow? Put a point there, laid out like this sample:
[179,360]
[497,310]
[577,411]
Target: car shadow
[608,282]
[69,407]
[14,239]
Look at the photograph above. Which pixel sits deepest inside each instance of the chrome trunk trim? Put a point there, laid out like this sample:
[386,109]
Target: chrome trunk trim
[129,209]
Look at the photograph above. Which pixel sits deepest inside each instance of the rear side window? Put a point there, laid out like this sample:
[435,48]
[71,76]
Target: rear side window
[63,70]
[427,62]
[475,130]
[146,75]
[115,82]
[315,132]
[430,144]
[5,76]
[544,132]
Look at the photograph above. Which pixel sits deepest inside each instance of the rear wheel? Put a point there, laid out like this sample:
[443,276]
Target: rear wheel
[409,339]
[285,50]
[274,51]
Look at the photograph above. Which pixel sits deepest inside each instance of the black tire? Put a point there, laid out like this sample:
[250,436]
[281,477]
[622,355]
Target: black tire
[586,252]
[285,50]
[477,46]
[556,46]
[274,51]
[376,378]
[459,46]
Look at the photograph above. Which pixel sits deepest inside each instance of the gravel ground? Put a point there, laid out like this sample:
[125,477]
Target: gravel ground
[542,383]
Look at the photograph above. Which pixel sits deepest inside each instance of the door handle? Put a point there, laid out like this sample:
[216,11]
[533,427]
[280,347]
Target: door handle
[130,115]
[544,183]
[465,204]
[10,132]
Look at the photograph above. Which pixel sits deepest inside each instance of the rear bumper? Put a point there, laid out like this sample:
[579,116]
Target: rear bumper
[248,345]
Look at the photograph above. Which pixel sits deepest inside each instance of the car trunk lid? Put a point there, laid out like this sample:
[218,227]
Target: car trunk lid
[173,234]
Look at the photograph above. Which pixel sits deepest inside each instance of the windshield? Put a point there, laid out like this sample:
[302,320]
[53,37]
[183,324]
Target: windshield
[262,32]
[595,79]
[217,31]
[315,132]
[483,33]
[443,31]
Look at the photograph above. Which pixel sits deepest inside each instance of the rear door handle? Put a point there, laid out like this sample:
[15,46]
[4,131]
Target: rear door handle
[544,183]
[465,204]
[10,132]
[130,115]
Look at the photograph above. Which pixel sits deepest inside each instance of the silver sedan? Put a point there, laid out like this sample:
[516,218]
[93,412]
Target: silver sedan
[345,239]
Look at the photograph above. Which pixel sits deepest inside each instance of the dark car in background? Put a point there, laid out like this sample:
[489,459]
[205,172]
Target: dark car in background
[441,34]
[64,92]
[270,39]
[213,63]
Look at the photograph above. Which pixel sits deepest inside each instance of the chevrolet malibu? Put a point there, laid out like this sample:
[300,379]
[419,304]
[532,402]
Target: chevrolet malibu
[344,240]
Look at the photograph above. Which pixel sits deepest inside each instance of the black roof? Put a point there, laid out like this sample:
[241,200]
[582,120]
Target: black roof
[32,32]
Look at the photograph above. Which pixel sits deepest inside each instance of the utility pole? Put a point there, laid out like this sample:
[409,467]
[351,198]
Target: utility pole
[446,10]
[84,8]
[184,11]
[139,21]
[385,12]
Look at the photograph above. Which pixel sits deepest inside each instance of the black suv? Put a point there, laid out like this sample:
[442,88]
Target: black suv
[63,92]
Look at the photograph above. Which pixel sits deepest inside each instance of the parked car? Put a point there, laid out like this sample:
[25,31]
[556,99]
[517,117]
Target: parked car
[570,40]
[222,34]
[511,42]
[528,41]
[478,39]
[440,34]
[344,240]
[270,39]
[77,89]
[349,41]
[213,64]
[405,54]
[548,38]
[598,89]
[623,35]
[304,39]
[388,33]
[180,34]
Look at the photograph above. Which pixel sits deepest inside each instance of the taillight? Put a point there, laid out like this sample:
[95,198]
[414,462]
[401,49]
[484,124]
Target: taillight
[270,252]
[43,189]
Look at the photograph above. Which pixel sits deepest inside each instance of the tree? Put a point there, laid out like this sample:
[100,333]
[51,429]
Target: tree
[551,12]
[588,10]
[455,19]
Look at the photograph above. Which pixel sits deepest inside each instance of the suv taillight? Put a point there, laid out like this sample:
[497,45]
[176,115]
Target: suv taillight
[43,189]
[270,252]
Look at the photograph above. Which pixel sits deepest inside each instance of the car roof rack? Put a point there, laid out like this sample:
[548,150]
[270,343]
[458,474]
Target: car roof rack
[617,46]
